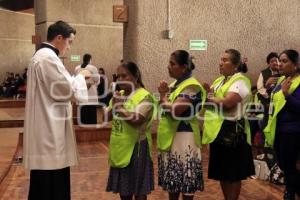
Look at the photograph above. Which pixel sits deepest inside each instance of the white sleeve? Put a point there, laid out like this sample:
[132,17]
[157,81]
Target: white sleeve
[260,86]
[77,69]
[95,75]
[78,84]
[80,89]
[240,88]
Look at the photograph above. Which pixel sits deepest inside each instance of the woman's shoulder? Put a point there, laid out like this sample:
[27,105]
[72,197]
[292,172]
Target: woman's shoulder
[240,87]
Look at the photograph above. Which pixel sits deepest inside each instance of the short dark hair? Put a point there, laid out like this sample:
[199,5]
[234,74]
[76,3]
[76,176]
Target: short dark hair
[115,77]
[60,28]
[293,55]
[102,69]
[272,55]
[182,57]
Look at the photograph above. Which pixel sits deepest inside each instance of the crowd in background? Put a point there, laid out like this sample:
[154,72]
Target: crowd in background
[14,85]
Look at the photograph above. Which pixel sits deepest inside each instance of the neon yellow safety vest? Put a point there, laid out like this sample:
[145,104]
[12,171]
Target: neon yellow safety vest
[168,126]
[213,120]
[124,136]
[256,102]
[277,103]
[255,99]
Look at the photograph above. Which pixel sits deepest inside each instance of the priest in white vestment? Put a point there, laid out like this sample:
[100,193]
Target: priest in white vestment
[49,140]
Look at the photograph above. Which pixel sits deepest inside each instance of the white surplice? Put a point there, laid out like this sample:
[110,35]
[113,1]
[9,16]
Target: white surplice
[49,141]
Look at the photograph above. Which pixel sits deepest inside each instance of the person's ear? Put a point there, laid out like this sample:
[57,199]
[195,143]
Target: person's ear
[60,37]
[236,68]
[185,68]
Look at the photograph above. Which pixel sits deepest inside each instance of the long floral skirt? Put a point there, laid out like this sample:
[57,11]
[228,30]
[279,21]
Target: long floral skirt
[180,169]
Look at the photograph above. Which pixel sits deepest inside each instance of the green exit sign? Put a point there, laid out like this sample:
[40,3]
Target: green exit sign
[75,58]
[198,45]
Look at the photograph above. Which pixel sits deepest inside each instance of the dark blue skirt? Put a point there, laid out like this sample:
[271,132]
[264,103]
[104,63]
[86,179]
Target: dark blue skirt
[135,179]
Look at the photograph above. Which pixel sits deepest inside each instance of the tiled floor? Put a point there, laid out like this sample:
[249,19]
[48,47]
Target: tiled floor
[89,180]
[8,143]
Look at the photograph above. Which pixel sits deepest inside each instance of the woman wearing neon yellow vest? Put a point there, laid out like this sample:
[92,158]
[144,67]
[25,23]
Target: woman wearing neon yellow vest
[284,122]
[225,128]
[178,136]
[131,167]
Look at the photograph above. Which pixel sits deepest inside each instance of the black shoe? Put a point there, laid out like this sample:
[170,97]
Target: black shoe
[289,195]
